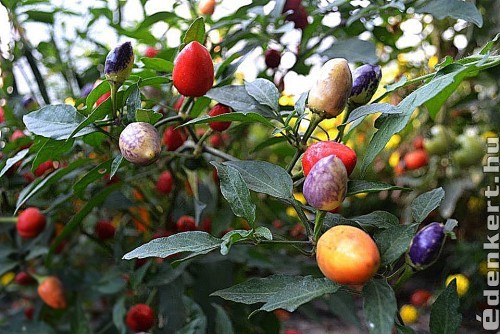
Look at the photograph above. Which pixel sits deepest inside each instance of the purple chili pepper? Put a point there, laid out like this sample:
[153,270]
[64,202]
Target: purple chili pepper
[365,81]
[426,245]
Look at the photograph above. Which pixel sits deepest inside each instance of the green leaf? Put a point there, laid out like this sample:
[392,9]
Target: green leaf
[149,20]
[263,232]
[353,49]
[93,175]
[269,142]
[434,104]
[77,219]
[457,9]
[300,104]
[12,161]
[194,241]
[147,116]
[39,16]
[96,93]
[97,114]
[236,97]
[51,150]
[40,184]
[233,117]
[379,306]
[222,321]
[296,293]
[365,110]
[256,290]
[445,316]
[198,320]
[264,91]
[158,64]
[361,186]
[117,161]
[400,83]
[377,219]
[232,237]
[119,312]
[394,242]
[390,124]
[487,48]
[264,177]
[343,305]
[425,203]
[195,32]
[235,191]
[56,122]
[133,103]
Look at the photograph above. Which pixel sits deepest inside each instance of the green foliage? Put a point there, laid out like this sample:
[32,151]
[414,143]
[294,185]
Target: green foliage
[254,236]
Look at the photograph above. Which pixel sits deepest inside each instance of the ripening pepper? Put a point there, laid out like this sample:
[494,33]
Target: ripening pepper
[365,81]
[119,63]
[426,246]
[328,96]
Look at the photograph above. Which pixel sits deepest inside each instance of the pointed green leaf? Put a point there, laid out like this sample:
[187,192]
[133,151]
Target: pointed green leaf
[194,241]
[235,191]
[425,203]
[394,242]
[56,122]
[264,91]
[12,161]
[264,177]
[362,186]
[445,316]
[379,306]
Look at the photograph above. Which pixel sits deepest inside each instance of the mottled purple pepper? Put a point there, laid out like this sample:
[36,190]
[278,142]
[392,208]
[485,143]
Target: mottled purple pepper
[365,82]
[426,245]
[140,143]
[119,63]
[326,184]
[29,103]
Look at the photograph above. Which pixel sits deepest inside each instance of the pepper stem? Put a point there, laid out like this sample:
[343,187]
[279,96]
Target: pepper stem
[318,223]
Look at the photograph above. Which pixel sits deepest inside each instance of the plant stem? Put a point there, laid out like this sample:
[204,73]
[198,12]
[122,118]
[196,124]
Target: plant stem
[114,105]
[296,156]
[316,119]
[302,217]
[8,220]
[199,146]
[407,274]
[168,120]
[219,153]
[318,223]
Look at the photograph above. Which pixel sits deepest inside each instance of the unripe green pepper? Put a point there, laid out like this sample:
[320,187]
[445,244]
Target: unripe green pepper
[328,96]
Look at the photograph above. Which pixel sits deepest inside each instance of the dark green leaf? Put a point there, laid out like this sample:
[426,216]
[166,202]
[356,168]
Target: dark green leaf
[117,161]
[119,312]
[457,9]
[133,103]
[77,219]
[369,109]
[354,50]
[12,161]
[264,91]
[264,177]
[196,32]
[96,93]
[39,16]
[222,321]
[394,242]
[445,316]
[56,122]
[256,290]
[361,186]
[40,184]
[425,203]
[158,64]
[147,116]
[51,150]
[390,124]
[239,100]
[343,305]
[377,219]
[93,175]
[296,293]
[487,48]
[379,306]
[233,117]
[97,114]
[235,191]
[194,241]
[149,20]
